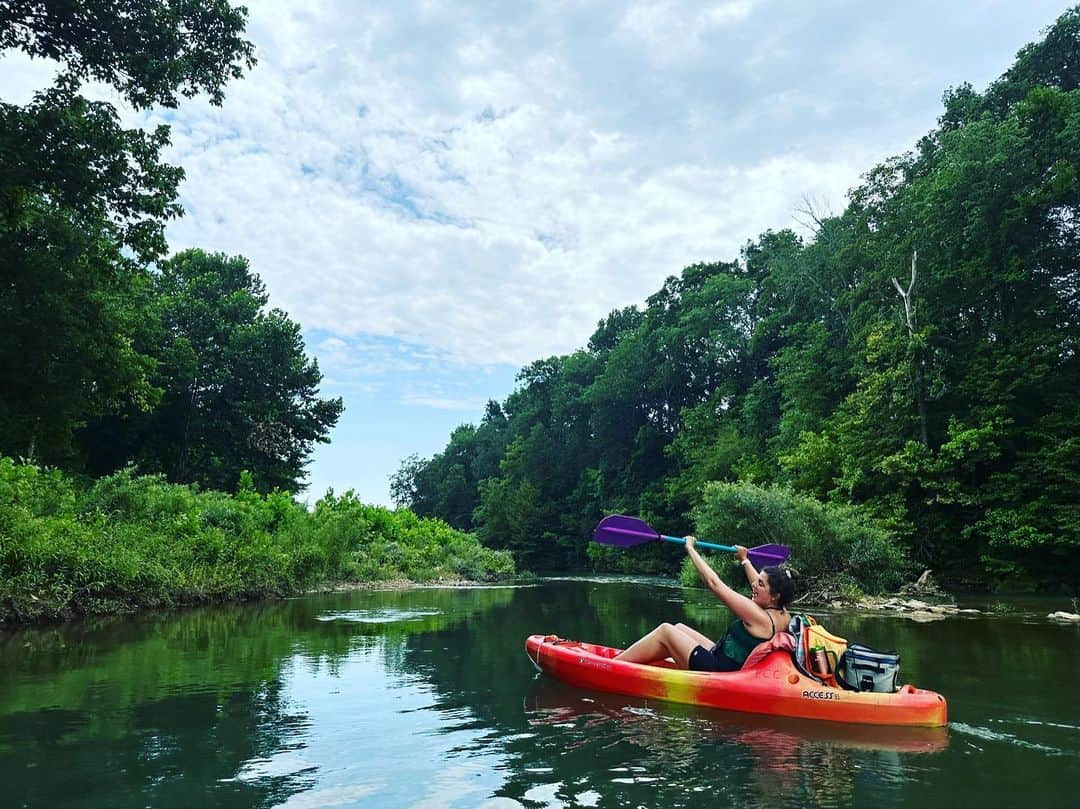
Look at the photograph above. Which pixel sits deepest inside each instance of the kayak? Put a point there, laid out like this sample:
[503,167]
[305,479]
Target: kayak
[773,686]
[551,702]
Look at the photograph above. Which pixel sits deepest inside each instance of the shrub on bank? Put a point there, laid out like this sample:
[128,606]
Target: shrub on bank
[126,541]
[834,547]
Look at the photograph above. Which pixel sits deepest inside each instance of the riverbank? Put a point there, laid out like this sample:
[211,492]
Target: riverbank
[127,542]
[924,601]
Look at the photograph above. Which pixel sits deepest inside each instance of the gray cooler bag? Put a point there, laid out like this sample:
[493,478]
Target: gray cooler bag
[864,669]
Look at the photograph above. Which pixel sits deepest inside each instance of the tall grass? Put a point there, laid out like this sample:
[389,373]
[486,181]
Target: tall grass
[126,541]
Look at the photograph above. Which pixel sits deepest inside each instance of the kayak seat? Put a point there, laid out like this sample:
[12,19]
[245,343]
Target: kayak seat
[780,641]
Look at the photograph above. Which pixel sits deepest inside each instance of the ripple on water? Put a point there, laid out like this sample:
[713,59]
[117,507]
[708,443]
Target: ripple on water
[986,734]
[385,616]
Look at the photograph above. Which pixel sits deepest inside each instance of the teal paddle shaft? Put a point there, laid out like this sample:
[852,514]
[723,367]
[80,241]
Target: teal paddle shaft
[624,532]
[699,544]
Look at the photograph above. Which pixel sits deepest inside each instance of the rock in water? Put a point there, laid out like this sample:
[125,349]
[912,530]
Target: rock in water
[1061,615]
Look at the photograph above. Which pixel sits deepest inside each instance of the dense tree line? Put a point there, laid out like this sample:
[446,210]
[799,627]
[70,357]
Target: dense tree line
[112,354]
[916,358]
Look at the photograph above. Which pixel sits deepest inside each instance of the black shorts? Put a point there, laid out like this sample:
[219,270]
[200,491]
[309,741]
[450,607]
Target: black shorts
[702,659]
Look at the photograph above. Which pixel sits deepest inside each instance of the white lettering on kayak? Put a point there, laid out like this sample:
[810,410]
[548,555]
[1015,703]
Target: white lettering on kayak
[596,664]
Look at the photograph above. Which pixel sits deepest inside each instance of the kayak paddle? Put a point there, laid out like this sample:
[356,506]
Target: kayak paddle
[628,531]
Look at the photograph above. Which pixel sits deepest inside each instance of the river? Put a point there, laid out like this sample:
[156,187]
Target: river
[425,697]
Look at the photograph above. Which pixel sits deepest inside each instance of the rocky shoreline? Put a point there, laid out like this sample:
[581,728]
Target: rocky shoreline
[917,610]
[923,611]
[923,601]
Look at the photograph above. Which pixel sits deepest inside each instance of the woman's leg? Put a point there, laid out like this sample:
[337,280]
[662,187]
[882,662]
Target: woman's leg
[664,641]
[697,636]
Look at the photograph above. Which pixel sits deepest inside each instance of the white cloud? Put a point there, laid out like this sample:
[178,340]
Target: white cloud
[728,12]
[22,76]
[490,187]
[674,32]
[497,234]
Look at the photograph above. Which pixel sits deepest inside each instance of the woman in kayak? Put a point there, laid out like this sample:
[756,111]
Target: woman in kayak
[757,619]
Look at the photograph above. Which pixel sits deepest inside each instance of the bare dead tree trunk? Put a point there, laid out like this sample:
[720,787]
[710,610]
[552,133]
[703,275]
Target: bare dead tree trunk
[918,361]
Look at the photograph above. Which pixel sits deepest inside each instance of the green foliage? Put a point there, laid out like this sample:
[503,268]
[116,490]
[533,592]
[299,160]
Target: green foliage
[100,352]
[237,389]
[831,544]
[448,484]
[148,51]
[68,158]
[129,541]
[106,363]
[76,192]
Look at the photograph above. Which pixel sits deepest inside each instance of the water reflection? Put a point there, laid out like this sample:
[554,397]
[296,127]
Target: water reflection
[426,698]
[767,761]
[170,751]
[551,702]
[221,705]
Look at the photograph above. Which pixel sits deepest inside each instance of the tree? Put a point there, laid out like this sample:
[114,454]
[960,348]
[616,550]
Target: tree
[404,486]
[72,151]
[83,205]
[238,391]
[71,303]
[74,155]
[149,50]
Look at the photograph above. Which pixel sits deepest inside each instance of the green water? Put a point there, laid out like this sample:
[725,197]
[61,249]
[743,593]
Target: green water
[426,698]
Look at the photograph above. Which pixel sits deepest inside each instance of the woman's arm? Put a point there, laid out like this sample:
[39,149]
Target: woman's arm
[745,609]
[747,565]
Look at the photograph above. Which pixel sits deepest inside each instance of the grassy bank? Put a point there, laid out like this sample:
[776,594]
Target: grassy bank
[127,542]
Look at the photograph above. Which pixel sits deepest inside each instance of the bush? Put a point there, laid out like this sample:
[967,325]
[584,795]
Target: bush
[833,547]
[127,541]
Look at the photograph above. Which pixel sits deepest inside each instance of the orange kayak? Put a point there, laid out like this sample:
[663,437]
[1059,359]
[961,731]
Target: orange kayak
[773,686]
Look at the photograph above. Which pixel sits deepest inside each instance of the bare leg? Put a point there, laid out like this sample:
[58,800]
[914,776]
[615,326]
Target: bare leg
[701,639]
[664,641]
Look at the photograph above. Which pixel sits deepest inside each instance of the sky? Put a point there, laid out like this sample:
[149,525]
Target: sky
[443,192]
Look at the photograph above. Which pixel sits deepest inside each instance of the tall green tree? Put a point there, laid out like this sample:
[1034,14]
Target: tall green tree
[238,391]
[71,303]
[84,202]
[448,484]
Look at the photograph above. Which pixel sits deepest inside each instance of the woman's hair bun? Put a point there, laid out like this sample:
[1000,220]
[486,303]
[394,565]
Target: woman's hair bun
[782,583]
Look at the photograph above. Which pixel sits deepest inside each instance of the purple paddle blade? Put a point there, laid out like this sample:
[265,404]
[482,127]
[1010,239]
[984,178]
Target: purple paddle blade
[765,555]
[624,531]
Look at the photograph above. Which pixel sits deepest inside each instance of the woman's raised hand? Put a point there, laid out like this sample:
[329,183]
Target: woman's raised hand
[689,541]
[740,553]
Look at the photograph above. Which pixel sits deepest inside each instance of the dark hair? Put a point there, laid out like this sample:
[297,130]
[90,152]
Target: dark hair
[781,584]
